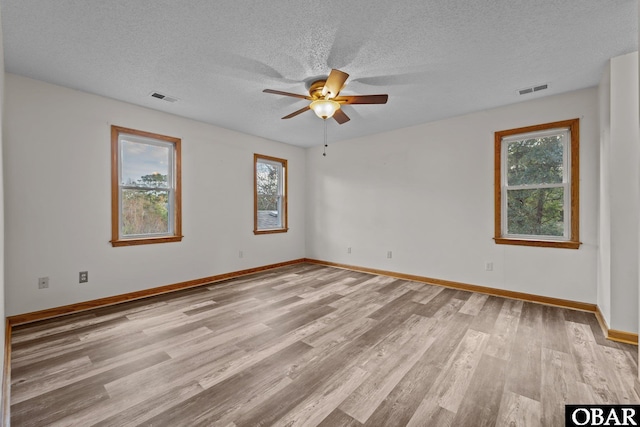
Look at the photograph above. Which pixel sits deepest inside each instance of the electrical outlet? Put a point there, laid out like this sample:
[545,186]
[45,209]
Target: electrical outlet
[389,254]
[349,250]
[488,266]
[43,282]
[240,254]
[84,276]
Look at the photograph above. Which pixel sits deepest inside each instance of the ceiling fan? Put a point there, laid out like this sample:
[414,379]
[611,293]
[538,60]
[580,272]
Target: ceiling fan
[324,98]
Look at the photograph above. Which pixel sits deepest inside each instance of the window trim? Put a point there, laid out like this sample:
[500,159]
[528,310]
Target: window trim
[573,241]
[285,197]
[116,240]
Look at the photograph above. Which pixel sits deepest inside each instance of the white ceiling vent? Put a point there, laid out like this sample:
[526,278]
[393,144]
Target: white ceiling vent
[533,89]
[163,97]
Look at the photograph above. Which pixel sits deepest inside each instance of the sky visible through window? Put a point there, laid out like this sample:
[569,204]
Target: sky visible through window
[140,159]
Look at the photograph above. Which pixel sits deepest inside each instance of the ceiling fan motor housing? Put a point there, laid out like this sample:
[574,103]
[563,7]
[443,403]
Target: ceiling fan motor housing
[315,90]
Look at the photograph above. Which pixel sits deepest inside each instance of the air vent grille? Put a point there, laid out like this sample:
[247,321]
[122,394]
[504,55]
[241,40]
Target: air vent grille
[533,89]
[164,97]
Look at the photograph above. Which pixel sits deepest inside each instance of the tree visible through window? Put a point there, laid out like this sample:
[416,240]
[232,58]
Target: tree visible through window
[270,194]
[537,185]
[145,205]
[145,188]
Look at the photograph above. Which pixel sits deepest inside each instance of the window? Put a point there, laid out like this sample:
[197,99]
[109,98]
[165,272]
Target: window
[269,195]
[145,188]
[536,185]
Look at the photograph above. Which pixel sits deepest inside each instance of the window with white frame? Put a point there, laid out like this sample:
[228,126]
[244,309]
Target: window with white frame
[270,194]
[146,199]
[536,185]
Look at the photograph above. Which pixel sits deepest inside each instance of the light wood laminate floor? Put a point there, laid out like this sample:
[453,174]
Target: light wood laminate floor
[312,345]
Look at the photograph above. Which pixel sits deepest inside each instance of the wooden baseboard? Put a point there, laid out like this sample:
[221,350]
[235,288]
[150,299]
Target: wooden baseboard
[603,323]
[623,336]
[575,305]
[614,334]
[116,299]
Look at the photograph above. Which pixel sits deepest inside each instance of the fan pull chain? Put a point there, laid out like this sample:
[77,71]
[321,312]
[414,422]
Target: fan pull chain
[324,153]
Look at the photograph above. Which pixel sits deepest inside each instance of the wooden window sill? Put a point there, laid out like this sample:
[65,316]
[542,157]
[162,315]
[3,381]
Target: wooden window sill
[145,241]
[539,243]
[271,231]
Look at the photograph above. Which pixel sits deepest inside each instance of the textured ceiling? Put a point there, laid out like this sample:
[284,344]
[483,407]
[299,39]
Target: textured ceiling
[435,58]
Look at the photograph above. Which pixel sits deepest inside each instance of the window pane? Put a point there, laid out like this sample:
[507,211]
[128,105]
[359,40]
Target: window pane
[535,161]
[145,212]
[268,218]
[145,164]
[269,200]
[537,212]
[146,190]
[270,195]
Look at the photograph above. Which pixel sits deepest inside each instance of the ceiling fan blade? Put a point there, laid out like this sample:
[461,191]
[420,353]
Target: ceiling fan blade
[334,83]
[340,116]
[363,99]
[295,113]
[279,92]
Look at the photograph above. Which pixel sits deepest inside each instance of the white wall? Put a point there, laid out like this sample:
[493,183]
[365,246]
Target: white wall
[426,194]
[619,190]
[57,189]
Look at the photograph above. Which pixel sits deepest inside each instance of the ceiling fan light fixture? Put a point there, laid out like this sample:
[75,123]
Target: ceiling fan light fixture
[324,108]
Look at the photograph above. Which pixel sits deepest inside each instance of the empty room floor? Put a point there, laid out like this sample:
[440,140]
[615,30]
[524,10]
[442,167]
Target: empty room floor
[314,345]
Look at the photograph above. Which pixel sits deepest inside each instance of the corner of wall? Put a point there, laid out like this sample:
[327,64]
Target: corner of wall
[604,203]
[619,214]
